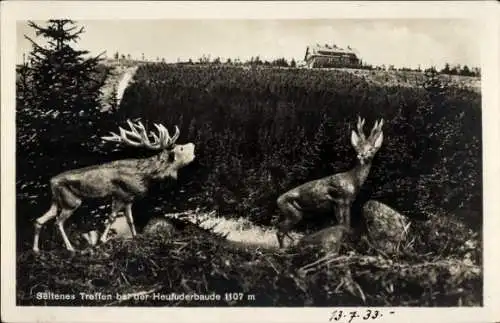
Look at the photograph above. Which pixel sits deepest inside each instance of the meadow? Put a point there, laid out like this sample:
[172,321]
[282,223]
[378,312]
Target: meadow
[260,132]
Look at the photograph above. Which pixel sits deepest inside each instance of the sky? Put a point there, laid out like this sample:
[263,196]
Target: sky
[398,42]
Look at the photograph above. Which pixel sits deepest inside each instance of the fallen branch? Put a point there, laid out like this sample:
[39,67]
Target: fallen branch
[329,258]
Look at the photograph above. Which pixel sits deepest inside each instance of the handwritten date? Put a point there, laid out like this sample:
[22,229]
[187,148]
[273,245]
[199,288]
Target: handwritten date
[350,316]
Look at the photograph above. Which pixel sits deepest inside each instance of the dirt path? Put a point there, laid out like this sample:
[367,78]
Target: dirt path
[241,233]
[125,79]
[119,79]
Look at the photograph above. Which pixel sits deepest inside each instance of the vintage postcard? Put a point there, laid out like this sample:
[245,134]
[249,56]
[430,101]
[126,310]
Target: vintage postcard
[250,161]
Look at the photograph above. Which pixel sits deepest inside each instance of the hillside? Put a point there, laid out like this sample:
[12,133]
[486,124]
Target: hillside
[376,77]
[410,78]
[259,132]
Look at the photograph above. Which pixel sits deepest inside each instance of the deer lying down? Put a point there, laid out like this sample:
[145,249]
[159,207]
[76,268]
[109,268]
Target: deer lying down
[334,193]
[327,240]
[122,180]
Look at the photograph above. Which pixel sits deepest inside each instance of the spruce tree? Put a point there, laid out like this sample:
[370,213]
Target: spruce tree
[62,106]
[23,84]
[64,79]
[113,99]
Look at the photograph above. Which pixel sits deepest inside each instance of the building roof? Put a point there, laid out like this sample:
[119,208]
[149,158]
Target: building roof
[333,49]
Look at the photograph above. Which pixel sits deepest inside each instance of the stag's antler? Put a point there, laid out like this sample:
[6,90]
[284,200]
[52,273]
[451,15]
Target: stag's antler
[377,127]
[138,137]
[361,123]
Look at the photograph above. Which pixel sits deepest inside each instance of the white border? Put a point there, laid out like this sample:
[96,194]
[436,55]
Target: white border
[486,12]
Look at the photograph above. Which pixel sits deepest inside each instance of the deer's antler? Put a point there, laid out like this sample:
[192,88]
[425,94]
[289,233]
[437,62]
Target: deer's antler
[137,136]
[377,127]
[361,123]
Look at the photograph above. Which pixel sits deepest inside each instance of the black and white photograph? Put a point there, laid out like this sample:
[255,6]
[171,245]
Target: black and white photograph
[179,157]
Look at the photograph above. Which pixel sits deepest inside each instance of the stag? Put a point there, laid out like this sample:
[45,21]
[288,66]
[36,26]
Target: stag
[123,180]
[332,193]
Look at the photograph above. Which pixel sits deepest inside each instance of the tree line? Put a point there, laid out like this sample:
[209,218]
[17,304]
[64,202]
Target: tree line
[448,69]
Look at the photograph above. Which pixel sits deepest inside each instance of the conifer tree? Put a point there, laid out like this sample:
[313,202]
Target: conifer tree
[63,102]
[63,78]
[23,84]
[113,99]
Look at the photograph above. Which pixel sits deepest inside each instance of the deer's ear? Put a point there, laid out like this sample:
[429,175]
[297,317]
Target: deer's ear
[378,141]
[355,139]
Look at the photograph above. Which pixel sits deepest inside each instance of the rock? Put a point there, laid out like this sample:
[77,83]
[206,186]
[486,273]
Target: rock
[159,226]
[91,237]
[120,229]
[327,240]
[386,227]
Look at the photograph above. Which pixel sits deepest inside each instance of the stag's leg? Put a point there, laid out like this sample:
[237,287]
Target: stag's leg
[344,213]
[68,202]
[130,219]
[291,216]
[338,213]
[347,215]
[50,214]
[116,206]
[63,216]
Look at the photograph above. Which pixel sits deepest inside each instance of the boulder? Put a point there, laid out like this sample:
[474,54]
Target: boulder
[119,230]
[159,226]
[387,228]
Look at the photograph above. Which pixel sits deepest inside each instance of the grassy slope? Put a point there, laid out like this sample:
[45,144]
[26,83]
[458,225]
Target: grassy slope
[193,261]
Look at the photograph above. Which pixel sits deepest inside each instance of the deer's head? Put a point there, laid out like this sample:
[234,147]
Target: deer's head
[172,156]
[366,148]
